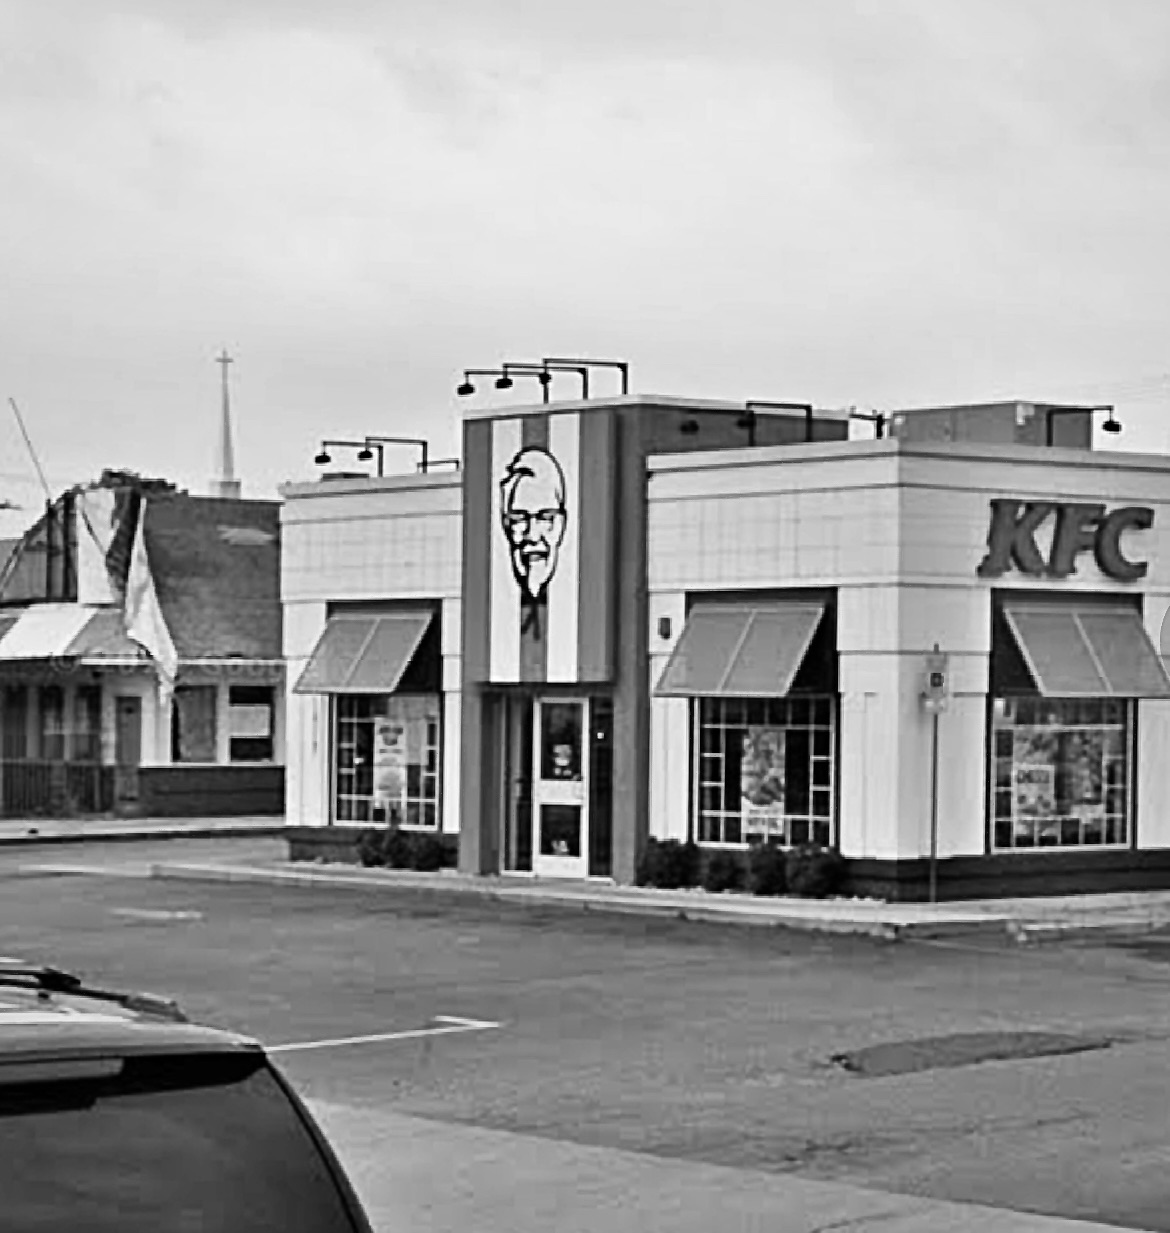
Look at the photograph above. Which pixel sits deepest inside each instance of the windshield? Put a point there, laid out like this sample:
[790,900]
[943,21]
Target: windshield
[192,1144]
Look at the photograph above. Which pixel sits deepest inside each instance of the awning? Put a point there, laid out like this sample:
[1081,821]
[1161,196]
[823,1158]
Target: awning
[742,651]
[365,654]
[1087,651]
[63,631]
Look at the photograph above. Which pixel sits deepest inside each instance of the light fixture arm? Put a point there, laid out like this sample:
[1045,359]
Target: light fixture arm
[547,367]
[876,418]
[748,419]
[379,442]
[620,365]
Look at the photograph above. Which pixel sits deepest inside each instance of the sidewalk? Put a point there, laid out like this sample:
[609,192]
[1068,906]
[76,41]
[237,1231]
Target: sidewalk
[447,1177]
[16,832]
[1022,920]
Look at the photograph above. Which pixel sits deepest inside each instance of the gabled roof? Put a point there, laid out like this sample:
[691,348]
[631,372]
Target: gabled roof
[216,567]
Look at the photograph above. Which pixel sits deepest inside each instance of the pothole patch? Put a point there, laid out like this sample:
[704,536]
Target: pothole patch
[905,1057]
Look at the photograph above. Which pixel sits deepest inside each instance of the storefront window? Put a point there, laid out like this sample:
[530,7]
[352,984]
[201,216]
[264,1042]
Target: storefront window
[1060,772]
[387,759]
[764,770]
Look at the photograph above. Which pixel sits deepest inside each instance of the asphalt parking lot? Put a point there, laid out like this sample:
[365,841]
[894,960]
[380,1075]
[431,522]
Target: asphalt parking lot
[1029,1078]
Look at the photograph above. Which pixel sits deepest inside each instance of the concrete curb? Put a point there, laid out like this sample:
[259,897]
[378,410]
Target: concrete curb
[137,835]
[645,903]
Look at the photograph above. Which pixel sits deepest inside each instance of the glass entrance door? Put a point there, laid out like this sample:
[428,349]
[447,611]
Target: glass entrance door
[561,788]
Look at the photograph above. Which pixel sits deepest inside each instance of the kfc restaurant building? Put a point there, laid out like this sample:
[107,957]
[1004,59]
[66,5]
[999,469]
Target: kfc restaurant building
[659,617]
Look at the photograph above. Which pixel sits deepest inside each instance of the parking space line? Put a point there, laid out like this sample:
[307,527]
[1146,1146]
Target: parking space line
[448,1025]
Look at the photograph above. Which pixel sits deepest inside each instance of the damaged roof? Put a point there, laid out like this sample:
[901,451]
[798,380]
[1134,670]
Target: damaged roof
[216,567]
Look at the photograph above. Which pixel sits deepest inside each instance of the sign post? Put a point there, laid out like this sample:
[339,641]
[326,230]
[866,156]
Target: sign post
[935,695]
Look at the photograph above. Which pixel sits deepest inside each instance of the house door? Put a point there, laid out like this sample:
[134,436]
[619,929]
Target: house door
[560,815]
[127,748]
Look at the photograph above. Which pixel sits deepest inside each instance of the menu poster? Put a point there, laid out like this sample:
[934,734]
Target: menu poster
[762,768]
[389,764]
[1034,790]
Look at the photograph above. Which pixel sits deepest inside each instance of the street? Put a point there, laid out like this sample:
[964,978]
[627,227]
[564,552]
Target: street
[727,1048]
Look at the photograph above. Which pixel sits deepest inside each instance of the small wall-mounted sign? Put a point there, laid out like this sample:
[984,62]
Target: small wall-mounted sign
[1011,540]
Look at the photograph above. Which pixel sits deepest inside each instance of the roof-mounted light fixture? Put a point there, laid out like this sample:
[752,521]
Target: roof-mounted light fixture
[324,458]
[1112,425]
[503,380]
[748,419]
[620,365]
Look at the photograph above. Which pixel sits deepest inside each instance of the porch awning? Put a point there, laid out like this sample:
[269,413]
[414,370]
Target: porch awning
[742,651]
[365,654]
[62,631]
[1087,651]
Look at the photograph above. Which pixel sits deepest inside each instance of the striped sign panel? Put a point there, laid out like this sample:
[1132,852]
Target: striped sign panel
[538,548]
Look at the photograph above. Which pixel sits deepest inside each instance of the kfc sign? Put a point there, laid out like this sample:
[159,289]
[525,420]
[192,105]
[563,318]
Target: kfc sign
[1011,541]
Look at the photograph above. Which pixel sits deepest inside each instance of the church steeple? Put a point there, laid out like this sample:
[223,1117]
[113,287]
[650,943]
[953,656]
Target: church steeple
[225,483]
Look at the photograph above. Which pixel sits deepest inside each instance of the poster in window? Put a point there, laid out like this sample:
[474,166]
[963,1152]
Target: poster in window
[761,782]
[1034,790]
[389,764]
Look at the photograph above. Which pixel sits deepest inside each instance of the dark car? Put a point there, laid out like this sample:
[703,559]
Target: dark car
[118,1115]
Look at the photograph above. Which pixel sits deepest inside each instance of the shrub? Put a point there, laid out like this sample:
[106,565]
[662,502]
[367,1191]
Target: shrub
[767,869]
[668,864]
[724,872]
[814,872]
[370,848]
[429,852]
[397,848]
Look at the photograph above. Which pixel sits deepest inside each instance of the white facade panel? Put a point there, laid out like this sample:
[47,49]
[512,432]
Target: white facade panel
[449,783]
[1153,785]
[670,739]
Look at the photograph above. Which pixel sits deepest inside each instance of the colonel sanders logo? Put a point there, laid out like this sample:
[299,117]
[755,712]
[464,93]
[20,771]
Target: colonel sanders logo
[532,509]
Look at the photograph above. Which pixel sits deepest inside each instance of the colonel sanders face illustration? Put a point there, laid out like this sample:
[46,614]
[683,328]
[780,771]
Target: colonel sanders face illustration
[532,508]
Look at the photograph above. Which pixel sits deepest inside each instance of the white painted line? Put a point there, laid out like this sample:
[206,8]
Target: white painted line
[450,1025]
[162,914]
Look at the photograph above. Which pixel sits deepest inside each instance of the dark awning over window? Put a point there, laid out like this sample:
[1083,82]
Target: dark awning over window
[751,651]
[1090,651]
[365,654]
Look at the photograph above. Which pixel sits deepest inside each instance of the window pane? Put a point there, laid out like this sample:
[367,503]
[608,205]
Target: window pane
[387,758]
[193,726]
[1066,773]
[772,780]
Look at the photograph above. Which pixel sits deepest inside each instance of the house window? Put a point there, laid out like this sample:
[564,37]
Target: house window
[1060,773]
[86,745]
[251,728]
[52,723]
[14,722]
[193,724]
[387,759]
[764,770]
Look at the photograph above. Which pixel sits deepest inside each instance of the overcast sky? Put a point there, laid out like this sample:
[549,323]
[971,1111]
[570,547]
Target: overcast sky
[889,203]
